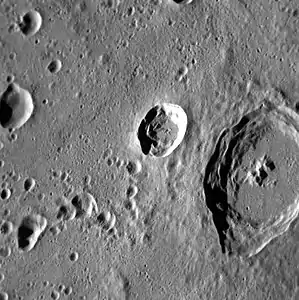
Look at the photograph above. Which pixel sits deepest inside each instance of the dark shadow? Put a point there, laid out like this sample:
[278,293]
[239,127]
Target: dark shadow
[5,113]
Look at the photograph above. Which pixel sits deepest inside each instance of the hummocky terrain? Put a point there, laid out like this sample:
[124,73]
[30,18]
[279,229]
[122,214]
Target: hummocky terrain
[148,149]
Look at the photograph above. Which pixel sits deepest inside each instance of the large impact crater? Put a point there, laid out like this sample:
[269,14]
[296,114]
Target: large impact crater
[251,179]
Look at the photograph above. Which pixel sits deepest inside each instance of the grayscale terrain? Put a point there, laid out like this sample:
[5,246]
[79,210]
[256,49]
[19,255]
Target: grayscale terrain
[149,149]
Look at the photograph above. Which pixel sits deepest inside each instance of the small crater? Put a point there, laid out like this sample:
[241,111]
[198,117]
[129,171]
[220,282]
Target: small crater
[55,230]
[110,162]
[16,107]
[13,137]
[3,296]
[131,191]
[30,23]
[10,79]
[6,227]
[87,180]
[181,2]
[30,230]
[66,211]
[107,220]
[54,66]
[104,59]
[119,163]
[182,72]
[134,167]
[112,232]
[130,204]
[84,204]
[131,11]
[107,153]
[55,295]
[134,214]
[103,217]
[68,290]
[29,184]
[74,256]
[61,288]
[5,251]
[147,239]
[5,194]
[64,176]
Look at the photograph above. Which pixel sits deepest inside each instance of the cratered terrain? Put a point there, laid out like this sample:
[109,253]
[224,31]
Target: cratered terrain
[149,149]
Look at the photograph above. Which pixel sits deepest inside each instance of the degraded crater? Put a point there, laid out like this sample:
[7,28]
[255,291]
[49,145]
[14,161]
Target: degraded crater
[85,204]
[66,212]
[162,129]
[107,220]
[6,227]
[251,180]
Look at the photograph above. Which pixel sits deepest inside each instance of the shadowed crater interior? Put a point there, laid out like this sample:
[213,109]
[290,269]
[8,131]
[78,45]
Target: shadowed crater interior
[6,110]
[24,233]
[145,141]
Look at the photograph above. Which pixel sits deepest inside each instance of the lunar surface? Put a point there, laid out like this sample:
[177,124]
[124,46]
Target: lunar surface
[149,150]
